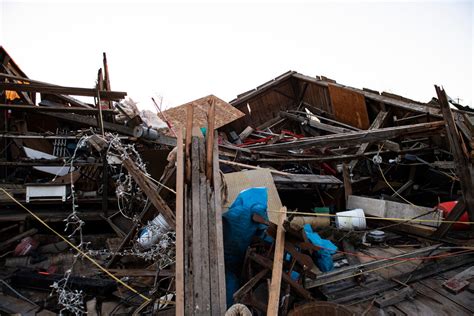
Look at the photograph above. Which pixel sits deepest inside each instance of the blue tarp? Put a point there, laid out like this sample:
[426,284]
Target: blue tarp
[323,256]
[238,229]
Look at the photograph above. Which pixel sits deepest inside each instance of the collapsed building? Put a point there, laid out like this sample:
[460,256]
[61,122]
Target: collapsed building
[299,196]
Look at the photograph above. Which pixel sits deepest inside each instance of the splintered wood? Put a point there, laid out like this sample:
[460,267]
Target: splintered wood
[200,271]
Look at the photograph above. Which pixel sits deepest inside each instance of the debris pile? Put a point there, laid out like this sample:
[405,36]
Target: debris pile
[300,196]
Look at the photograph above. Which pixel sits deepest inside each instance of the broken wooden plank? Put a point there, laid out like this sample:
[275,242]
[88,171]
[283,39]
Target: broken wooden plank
[304,178]
[355,138]
[394,297]
[216,198]
[52,89]
[150,190]
[277,270]
[196,223]
[460,157]
[460,281]
[179,225]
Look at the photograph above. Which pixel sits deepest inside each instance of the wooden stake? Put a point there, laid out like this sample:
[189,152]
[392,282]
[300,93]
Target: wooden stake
[210,138]
[179,225]
[189,132]
[275,286]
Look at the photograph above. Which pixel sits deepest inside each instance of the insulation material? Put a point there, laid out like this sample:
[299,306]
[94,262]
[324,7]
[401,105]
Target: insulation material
[349,107]
[239,181]
[152,120]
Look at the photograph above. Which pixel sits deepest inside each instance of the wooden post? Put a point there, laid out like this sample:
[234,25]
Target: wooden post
[347,181]
[189,132]
[210,138]
[461,162]
[275,286]
[179,225]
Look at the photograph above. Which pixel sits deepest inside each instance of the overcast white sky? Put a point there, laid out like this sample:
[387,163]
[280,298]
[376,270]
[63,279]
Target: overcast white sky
[186,51]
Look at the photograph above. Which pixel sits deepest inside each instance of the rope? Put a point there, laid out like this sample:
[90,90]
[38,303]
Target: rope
[371,217]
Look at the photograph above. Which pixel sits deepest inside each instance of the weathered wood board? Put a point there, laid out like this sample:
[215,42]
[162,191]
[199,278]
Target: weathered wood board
[389,209]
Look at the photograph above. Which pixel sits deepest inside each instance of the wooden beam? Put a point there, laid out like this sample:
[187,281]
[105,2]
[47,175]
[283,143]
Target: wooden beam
[304,178]
[179,225]
[355,138]
[210,137]
[275,286]
[216,196]
[58,108]
[459,154]
[187,147]
[347,181]
[52,89]
[150,190]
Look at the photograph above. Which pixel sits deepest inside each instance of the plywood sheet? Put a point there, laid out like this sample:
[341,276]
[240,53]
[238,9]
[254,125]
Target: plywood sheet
[225,113]
[239,181]
[349,107]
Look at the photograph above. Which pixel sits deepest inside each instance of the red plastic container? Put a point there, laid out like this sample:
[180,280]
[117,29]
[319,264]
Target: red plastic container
[447,207]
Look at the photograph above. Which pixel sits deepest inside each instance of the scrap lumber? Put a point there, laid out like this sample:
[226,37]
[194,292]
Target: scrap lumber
[52,89]
[462,166]
[347,181]
[304,178]
[202,255]
[426,270]
[395,297]
[355,138]
[179,225]
[54,108]
[275,285]
[390,209]
[460,281]
[150,190]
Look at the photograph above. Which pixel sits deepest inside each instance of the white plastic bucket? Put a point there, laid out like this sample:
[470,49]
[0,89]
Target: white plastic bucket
[351,220]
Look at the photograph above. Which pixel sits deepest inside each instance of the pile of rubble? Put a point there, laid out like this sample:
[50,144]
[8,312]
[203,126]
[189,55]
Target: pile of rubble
[300,196]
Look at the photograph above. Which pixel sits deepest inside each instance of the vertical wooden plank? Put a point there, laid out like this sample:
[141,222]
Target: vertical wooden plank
[210,137]
[347,181]
[179,225]
[196,222]
[204,230]
[189,131]
[277,270]
[461,162]
[219,233]
[188,254]
[213,256]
